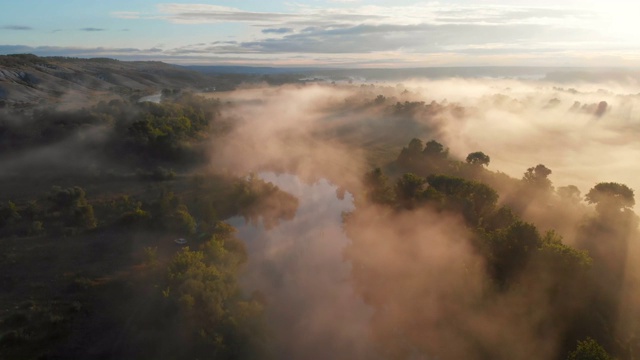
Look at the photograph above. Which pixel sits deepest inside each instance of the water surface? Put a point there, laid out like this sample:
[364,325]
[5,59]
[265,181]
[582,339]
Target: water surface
[298,265]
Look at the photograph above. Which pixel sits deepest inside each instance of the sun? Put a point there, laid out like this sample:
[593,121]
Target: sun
[619,21]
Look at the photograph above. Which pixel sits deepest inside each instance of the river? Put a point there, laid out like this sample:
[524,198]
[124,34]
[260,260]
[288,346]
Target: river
[312,310]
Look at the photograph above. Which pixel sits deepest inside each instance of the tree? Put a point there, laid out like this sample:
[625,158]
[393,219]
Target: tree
[409,187]
[478,158]
[219,318]
[84,218]
[9,215]
[71,206]
[611,196]
[434,149]
[67,198]
[537,176]
[183,222]
[589,349]
[410,155]
[415,146]
[499,219]
[377,187]
[607,237]
[510,250]
[601,109]
[474,199]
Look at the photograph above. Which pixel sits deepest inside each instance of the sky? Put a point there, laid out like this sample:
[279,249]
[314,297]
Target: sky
[329,33]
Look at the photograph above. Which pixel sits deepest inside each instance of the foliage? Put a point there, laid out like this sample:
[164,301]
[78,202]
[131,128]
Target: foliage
[473,199]
[70,207]
[517,258]
[499,219]
[256,198]
[136,134]
[183,222]
[611,196]
[378,188]
[204,287]
[537,177]
[510,250]
[563,256]
[408,188]
[589,349]
[435,150]
[151,255]
[478,158]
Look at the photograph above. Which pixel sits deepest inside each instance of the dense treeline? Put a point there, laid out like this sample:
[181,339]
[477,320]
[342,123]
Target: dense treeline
[67,211]
[568,293]
[93,259]
[194,305]
[454,260]
[117,133]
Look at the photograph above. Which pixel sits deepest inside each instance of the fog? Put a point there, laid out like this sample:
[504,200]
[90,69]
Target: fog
[349,278]
[517,123]
[530,123]
[324,137]
[299,267]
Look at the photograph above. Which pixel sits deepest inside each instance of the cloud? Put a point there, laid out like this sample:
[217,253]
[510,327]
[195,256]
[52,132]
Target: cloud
[17,27]
[426,13]
[420,38]
[277,31]
[91,29]
[405,34]
[424,29]
[199,13]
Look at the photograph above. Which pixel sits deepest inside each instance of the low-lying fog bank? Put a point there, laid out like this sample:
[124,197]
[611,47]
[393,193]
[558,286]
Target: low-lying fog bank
[584,133]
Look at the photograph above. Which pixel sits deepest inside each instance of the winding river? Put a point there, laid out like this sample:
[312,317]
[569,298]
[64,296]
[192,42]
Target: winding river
[298,265]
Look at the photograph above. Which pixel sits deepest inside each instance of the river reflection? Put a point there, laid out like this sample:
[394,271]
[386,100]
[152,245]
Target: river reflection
[312,309]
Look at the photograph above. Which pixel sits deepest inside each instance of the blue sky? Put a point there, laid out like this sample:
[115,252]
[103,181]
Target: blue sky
[359,33]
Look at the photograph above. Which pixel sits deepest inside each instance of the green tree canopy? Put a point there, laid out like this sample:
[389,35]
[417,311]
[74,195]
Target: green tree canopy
[478,158]
[377,187]
[589,349]
[409,187]
[434,149]
[415,146]
[611,196]
[474,199]
[537,176]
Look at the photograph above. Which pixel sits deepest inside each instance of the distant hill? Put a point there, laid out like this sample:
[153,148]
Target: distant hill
[250,70]
[29,79]
[621,75]
[379,73]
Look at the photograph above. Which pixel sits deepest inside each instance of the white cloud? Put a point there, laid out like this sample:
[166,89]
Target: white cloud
[433,13]
[514,29]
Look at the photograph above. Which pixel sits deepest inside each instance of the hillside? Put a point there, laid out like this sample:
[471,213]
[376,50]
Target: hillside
[28,79]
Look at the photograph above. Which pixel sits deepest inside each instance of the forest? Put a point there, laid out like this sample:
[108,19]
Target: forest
[461,230]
